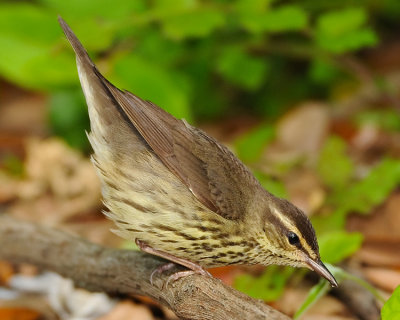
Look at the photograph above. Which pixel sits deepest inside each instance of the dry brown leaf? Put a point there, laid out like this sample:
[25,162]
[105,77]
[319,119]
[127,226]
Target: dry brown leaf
[128,311]
[18,314]
[381,231]
[227,273]
[383,224]
[305,190]
[27,269]
[22,112]
[8,188]
[304,128]
[380,254]
[98,231]
[6,272]
[27,305]
[59,183]
[327,306]
[327,317]
[299,136]
[387,279]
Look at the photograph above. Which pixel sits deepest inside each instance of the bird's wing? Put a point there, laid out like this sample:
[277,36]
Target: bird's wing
[211,172]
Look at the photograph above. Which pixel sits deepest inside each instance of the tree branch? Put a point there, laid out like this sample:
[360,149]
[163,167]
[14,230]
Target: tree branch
[125,272]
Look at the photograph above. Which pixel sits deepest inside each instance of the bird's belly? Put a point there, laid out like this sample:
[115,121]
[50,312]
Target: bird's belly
[147,202]
[166,216]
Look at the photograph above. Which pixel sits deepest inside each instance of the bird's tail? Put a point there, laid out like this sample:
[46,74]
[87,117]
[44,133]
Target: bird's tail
[80,51]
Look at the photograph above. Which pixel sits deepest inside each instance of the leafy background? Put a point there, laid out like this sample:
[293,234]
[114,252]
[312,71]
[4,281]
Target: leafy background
[249,72]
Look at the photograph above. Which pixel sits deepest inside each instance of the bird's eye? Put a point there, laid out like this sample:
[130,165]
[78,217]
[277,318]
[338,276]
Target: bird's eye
[293,238]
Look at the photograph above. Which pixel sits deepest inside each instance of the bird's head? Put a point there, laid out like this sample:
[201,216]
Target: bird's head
[291,239]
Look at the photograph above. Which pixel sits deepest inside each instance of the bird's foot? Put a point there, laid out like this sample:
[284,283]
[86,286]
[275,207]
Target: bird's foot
[194,267]
[161,269]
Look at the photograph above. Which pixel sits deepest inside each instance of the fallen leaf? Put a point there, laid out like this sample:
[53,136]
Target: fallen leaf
[128,311]
[381,246]
[304,128]
[18,314]
[387,279]
[383,254]
[326,308]
[59,184]
[6,272]
[305,190]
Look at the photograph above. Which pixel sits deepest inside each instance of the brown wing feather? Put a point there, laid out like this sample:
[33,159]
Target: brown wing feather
[213,174]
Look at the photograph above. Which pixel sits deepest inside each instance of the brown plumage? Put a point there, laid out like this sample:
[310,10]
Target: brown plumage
[179,193]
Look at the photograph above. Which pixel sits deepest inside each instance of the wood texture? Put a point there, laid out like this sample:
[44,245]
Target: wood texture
[114,271]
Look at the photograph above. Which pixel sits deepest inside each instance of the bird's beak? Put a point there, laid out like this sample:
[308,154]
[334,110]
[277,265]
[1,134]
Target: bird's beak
[323,271]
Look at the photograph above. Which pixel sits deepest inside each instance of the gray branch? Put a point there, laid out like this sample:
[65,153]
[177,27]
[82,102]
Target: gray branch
[113,271]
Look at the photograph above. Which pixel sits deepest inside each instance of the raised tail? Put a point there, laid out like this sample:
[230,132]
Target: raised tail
[80,51]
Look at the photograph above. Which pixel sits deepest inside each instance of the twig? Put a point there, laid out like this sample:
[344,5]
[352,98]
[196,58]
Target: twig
[358,295]
[124,272]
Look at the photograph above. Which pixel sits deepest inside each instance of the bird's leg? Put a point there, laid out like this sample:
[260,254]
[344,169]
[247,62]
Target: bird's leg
[194,267]
[161,269]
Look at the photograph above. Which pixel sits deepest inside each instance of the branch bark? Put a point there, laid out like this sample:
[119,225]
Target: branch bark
[113,271]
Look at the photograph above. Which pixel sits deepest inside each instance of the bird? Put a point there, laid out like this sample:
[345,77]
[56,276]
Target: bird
[179,193]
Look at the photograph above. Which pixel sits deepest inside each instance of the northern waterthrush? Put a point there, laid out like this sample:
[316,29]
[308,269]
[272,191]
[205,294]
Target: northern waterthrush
[179,193]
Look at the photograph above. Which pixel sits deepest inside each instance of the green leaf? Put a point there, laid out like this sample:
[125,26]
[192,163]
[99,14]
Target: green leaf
[30,39]
[171,7]
[241,68]
[319,290]
[255,18]
[94,35]
[251,7]
[391,309]
[350,41]
[337,23]
[276,187]
[69,117]
[268,287]
[152,82]
[388,120]
[28,23]
[328,223]
[285,18]
[364,195]
[323,72]
[155,47]
[316,292]
[27,55]
[341,31]
[116,10]
[194,23]
[338,245]
[334,167]
[250,146]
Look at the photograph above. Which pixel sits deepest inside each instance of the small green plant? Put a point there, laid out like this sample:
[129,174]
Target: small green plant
[322,287]
[391,309]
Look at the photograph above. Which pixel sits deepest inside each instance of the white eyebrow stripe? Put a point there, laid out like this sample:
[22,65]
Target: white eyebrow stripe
[290,226]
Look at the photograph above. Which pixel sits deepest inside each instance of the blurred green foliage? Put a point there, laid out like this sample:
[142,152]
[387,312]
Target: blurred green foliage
[391,309]
[338,245]
[251,144]
[268,287]
[334,167]
[196,59]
